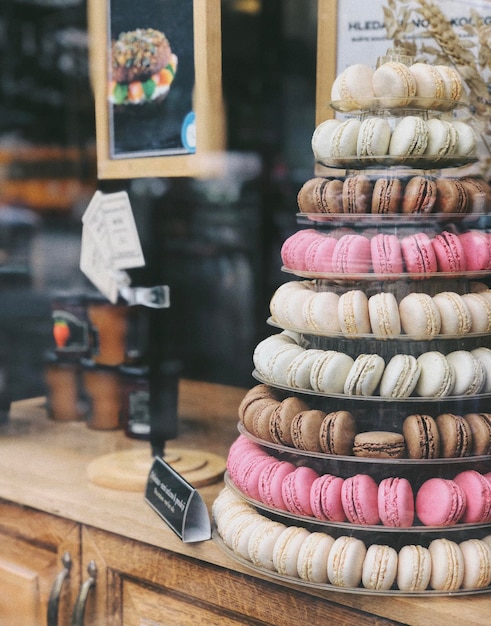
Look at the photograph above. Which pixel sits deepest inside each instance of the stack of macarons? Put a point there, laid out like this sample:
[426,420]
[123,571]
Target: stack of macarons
[375,139]
[347,562]
[311,252]
[296,305]
[396,84]
[359,194]
[281,361]
[358,499]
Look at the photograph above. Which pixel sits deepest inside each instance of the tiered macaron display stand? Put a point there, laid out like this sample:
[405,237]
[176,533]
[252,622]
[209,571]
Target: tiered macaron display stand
[372,411]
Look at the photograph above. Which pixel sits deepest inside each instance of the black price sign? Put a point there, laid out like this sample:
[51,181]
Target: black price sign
[177,502]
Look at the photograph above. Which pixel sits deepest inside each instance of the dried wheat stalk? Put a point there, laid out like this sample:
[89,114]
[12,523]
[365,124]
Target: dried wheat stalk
[471,57]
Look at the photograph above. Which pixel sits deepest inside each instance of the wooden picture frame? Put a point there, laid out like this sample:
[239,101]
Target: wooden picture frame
[327,20]
[121,151]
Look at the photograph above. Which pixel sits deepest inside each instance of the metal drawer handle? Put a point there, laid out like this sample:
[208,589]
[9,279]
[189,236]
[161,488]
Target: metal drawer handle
[54,596]
[79,608]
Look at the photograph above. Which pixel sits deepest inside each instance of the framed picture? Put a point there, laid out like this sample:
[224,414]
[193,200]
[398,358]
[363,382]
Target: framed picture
[157,82]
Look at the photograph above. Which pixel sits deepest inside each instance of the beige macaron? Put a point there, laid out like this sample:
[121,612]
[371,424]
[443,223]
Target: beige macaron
[383,312]
[447,565]
[437,375]
[329,371]
[409,137]
[413,568]
[453,85]
[286,550]
[345,561]
[364,375]
[394,84]
[353,313]
[420,316]
[352,88]
[322,138]
[320,312]
[454,313]
[430,86]
[480,311]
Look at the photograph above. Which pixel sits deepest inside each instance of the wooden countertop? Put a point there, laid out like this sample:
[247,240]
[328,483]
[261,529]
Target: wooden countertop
[43,465]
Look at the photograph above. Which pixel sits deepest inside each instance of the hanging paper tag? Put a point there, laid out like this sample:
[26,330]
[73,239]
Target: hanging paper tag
[95,267]
[177,502]
[110,220]
[110,245]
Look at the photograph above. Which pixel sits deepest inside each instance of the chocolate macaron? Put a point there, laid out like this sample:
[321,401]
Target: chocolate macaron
[305,429]
[455,436]
[379,444]
[332,197]
[281,419]
[386,196]
[451,196]
[337,433]
[480,425]
[309,196]
[422,437]
[419,195]
[357,194]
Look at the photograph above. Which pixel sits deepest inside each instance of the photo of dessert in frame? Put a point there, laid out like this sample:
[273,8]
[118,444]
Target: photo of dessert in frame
[151,77]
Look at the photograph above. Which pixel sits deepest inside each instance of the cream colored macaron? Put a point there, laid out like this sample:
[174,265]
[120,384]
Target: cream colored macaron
[394,84]
[353,88]
[322,138]
[409,137]
[430,86]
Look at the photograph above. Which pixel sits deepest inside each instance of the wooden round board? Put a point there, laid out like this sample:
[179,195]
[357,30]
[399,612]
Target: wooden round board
[127,470]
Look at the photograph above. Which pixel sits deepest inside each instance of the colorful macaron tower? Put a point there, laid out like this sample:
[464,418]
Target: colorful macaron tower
[363,460]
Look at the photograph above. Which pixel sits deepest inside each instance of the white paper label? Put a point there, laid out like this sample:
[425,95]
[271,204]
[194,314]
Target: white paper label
[110,220]
[110,243]
[95,267]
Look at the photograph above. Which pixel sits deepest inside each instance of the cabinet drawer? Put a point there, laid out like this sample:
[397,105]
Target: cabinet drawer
[143,606]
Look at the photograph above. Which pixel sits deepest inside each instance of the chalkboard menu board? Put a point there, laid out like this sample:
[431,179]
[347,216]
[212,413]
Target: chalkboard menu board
[157,79]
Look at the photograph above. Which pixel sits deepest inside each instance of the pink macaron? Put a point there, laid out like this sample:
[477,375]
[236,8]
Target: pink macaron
[477,249]
[248,472]
[293,249]
[296,488]
[318,256]
[239,451]
[386,254]
[477,491]
[270,483]
[396,502]
[325,498]
[418,254]
[352,255]
[440,502]
[449,252]
[359,497]
[241,445]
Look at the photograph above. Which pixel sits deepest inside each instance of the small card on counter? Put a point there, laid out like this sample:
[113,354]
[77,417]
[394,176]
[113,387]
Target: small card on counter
[177,502]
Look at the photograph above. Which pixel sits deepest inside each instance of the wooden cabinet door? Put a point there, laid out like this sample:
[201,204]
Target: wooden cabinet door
[32,545]
[133,586]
